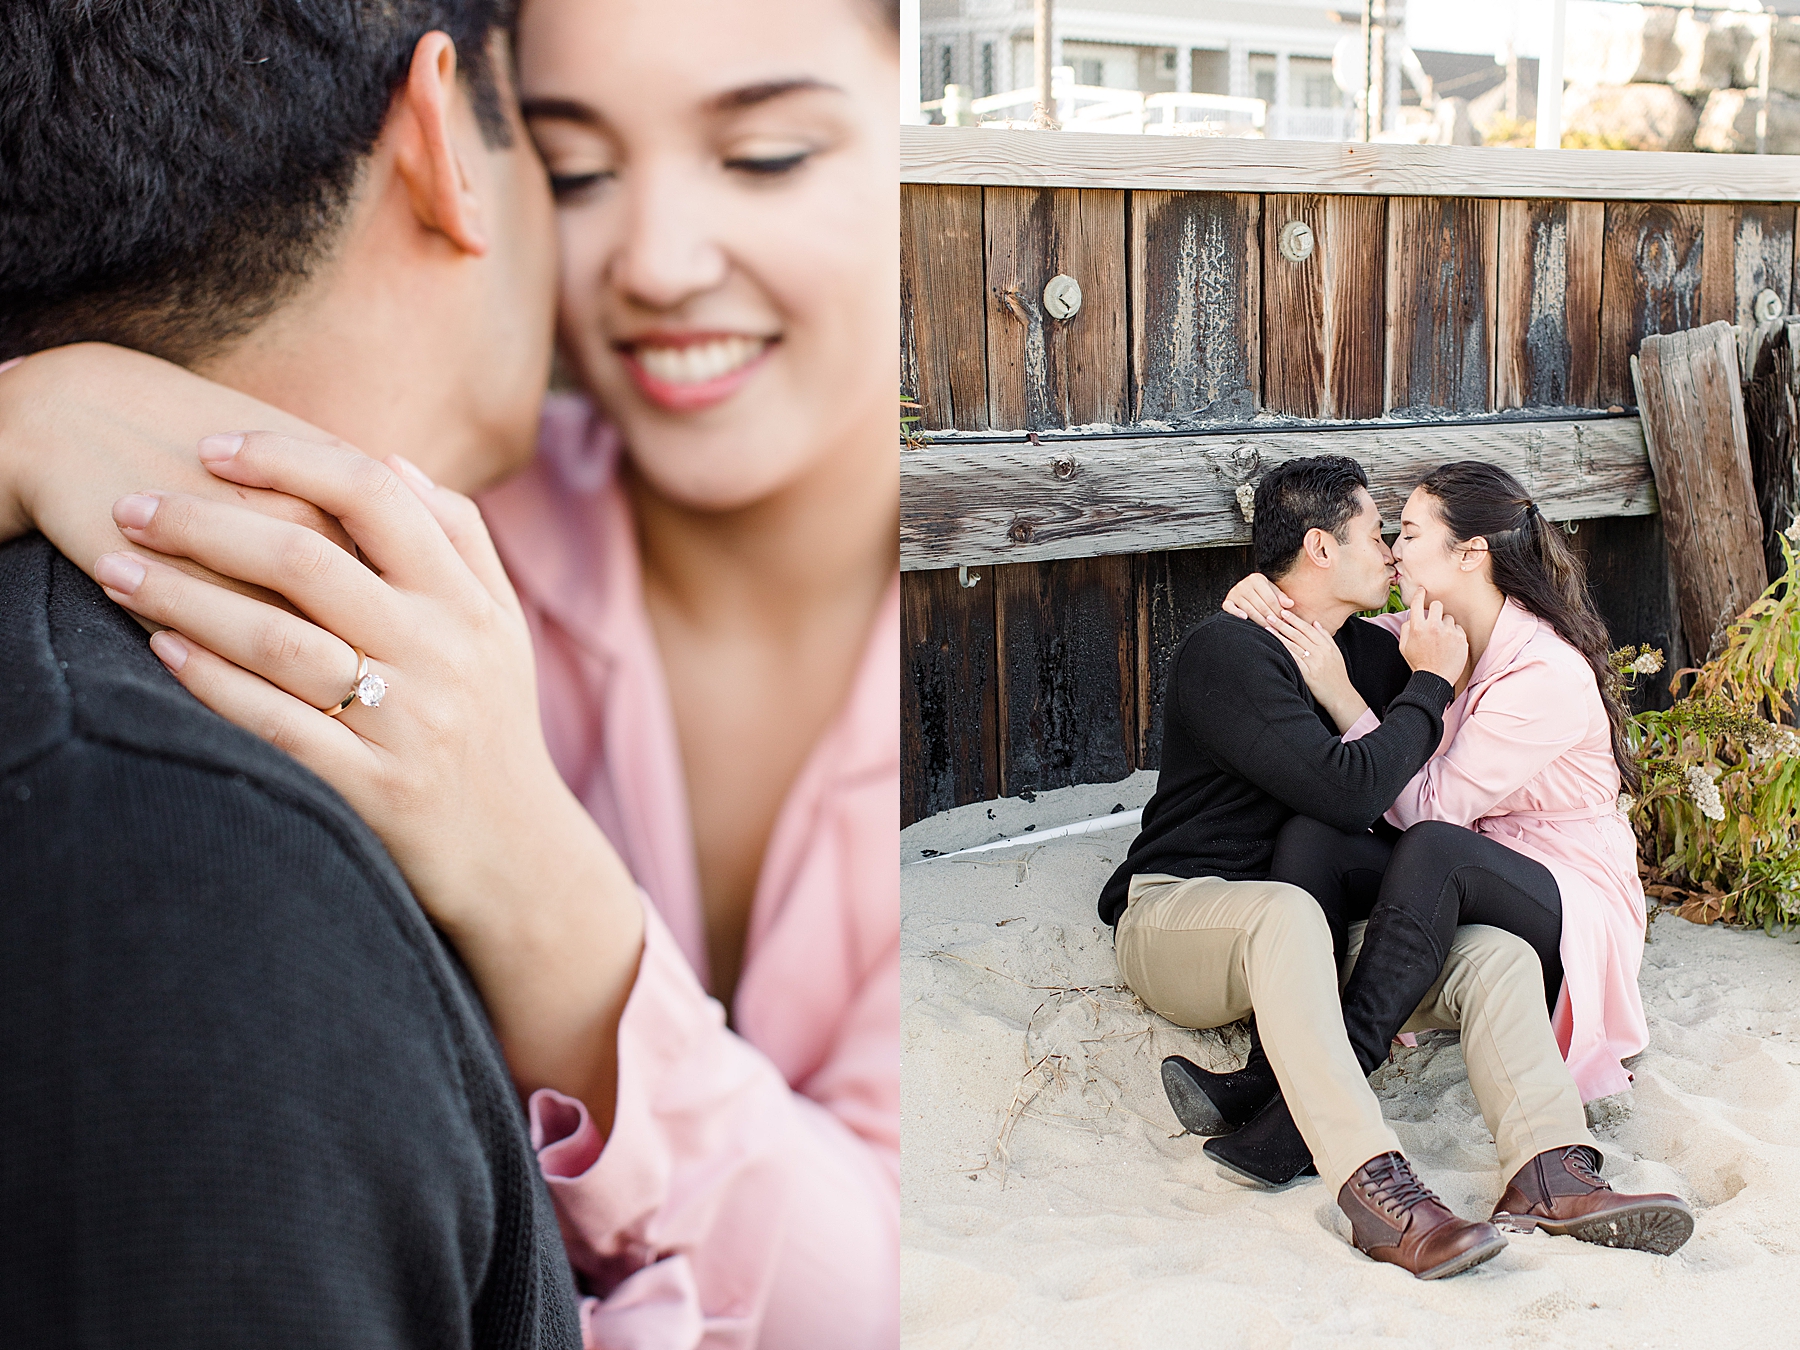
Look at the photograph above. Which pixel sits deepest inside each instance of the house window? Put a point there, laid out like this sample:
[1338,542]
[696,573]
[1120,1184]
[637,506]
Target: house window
[1265,86]
[1168,63]
[947,61]
[1090,70]
[987,68]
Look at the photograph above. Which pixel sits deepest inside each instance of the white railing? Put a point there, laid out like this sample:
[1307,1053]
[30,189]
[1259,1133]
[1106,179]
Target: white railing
[1087,107]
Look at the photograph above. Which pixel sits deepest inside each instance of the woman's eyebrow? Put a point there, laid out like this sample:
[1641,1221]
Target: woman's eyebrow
[561,109]
[749,95]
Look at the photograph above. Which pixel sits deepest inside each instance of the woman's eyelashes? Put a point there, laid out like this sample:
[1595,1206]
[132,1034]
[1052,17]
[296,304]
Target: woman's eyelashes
[564,186]
[768,166]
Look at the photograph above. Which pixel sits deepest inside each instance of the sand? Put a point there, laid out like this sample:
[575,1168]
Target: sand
[1050,1198]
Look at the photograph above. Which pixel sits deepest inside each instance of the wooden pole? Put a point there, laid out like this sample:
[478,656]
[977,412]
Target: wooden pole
[1692,407]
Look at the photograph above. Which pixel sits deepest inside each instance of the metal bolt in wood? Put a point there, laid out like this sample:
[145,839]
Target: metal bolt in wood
[1767,305]
[1296,241]
[1062,297]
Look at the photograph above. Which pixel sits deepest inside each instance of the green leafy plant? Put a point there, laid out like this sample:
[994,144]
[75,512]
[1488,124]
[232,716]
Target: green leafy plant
[910,437]
[1718,814]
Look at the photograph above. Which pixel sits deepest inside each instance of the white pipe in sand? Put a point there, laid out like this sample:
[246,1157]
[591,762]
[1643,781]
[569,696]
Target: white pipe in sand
[1117,820]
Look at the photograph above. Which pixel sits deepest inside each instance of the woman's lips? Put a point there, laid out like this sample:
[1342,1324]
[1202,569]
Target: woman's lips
[690,373]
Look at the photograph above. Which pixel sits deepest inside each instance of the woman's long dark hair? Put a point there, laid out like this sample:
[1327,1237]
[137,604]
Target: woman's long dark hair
[1532,565]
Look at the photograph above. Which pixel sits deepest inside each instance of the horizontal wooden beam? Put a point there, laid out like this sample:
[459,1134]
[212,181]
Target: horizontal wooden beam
[1220,164]
[968,500]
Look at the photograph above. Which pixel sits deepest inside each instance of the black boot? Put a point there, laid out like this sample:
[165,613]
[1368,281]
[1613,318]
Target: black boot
[1381,995]
[1399,962]
[1213,1103]
[1268,1150]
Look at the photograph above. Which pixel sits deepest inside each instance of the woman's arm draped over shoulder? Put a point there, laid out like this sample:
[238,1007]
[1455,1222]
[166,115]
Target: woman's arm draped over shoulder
[82,426]
[1522,721]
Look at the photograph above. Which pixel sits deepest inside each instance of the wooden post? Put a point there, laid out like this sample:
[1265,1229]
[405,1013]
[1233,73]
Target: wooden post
[1692,407]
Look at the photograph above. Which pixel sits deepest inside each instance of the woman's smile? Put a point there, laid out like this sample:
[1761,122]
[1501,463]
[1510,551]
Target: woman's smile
[686,372]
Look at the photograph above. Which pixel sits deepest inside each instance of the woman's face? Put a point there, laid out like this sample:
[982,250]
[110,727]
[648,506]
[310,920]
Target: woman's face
[726,200]
[1425,554]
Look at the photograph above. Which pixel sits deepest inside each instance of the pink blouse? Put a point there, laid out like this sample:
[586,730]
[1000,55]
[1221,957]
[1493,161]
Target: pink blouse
[1527,759]
[749,1192]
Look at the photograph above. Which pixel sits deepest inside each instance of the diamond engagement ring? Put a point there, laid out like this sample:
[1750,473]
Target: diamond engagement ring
[367,689]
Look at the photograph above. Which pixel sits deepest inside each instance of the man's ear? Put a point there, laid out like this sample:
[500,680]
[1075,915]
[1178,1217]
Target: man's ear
[1319,546]
[429,158]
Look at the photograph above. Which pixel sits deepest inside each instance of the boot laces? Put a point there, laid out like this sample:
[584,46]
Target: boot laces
[1579,1161]
[1392,1185]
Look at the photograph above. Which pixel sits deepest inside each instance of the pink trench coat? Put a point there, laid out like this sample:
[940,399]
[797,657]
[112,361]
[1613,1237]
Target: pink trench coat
[1527,759]
[749,1192]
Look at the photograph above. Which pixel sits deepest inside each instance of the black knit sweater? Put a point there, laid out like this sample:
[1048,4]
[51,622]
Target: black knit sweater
[1245,746]
[247,1096]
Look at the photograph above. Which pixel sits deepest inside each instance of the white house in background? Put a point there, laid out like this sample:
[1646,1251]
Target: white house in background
[1276,50]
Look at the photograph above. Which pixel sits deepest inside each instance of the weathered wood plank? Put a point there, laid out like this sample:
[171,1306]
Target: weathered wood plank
[1322,315]
[1195,305]
[1693,419]
[943,343]
[1547,341]
[1045,372]
[1748,248]
[1193,164]
[949,733]
[1067,668]
[1176,590]
[1441,303]
[979,502]
[1650,283]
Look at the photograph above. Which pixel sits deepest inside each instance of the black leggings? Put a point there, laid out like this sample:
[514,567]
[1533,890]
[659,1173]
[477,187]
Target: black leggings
[1436,876]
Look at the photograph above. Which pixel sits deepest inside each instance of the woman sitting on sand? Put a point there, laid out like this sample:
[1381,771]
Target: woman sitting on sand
[1513,823]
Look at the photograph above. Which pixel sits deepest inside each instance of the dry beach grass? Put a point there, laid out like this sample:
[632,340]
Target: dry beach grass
[1050,1198]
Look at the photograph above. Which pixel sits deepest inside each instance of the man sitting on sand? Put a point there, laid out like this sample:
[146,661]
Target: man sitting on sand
[1204,937]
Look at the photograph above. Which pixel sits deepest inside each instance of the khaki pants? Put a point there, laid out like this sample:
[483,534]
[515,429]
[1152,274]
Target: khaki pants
[1204,952]
[1492,990]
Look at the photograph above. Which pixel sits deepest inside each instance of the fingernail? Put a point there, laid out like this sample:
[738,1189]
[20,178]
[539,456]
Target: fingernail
[136,510]
[170,650]
[119,572]
[412,471]
[218,448]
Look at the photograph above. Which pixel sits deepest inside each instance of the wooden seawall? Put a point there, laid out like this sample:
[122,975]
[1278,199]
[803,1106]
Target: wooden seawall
[1243,302]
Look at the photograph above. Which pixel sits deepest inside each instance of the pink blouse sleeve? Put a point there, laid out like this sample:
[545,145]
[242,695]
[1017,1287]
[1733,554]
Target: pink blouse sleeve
[1519,723]
[726,1209]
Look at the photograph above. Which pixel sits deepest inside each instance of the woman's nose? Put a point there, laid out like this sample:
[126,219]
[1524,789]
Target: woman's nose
[668,253]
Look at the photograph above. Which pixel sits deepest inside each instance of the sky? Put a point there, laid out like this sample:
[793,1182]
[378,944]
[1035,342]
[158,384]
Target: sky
[1468,26]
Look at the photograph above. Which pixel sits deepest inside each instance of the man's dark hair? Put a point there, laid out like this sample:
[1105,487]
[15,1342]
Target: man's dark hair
[172,170]
[1318,493]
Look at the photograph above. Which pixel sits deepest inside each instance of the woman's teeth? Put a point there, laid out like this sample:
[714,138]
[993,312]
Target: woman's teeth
[698,362]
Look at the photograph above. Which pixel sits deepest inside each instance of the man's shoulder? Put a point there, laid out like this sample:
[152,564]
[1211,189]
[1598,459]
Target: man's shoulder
[78,670]
[1223,636]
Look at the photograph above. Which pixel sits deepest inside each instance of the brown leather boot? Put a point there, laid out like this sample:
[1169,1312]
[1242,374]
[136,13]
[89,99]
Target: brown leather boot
[1394,1218]
[1560,1191]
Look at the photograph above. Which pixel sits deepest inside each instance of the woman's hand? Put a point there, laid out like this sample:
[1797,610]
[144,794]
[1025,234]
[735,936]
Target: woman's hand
[1322,666]
[1258,599]
[82,425]
[450,768]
